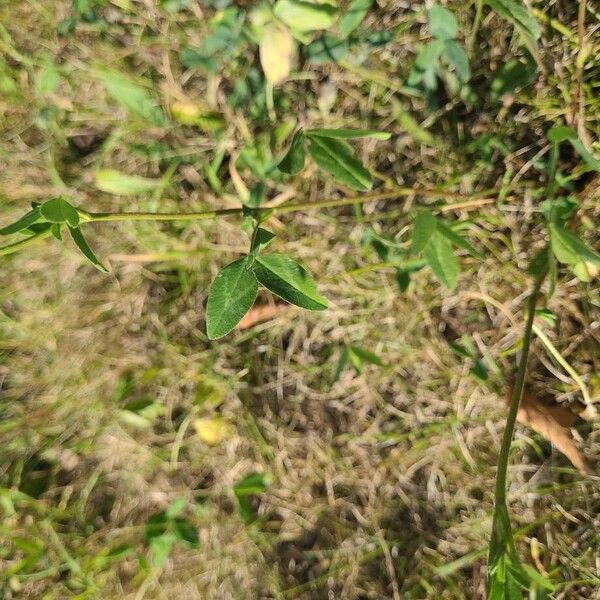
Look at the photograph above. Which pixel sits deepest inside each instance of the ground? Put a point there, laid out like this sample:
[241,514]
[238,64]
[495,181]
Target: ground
[372,485]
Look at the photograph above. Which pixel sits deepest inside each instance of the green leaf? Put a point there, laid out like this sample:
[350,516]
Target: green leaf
[289,280]
[23,223]
[326,48]
[441,259]
[132,97]
[513,75]
[562,133]
[120,184]
[428,56]
[58,210]
[539,263]
[349,133]
[572,251]
[85,249]
[423,228]
[458,240]
[305,16]
[341,364]
[251,485]
[442,23]
[231,296]
[457,57]
[366,356]
[518,14]
[261,240]
[353,16]
[336,157]
[161,547]
[293,161]
[185,531]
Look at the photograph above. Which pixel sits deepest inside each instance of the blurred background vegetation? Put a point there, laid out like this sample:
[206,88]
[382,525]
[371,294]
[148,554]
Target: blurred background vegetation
[140,460]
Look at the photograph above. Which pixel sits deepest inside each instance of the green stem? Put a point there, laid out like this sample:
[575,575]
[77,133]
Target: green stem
[10,248]
[500,507]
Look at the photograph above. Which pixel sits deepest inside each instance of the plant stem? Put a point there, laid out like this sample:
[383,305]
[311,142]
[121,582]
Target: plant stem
[517,393]
[32,239]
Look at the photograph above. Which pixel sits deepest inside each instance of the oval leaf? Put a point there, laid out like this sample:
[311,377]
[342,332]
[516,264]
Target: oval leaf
[276,50]
[120,184]
[335,157]
[58,210]
[231,295]
[423,229]
[442,261]
[289,280]
[305,16]
[442,23]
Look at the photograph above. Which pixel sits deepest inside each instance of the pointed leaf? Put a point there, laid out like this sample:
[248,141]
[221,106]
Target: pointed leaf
[336,157]
[518,14]
[353,16]
[23,223]
[341,364]
[293,161]
[262,239]
[366,356]
[58,210]
[231,295]
[289,280]
[423,228]
[457,239]
[349,133]
[561,133]
[442,261]
[85,249]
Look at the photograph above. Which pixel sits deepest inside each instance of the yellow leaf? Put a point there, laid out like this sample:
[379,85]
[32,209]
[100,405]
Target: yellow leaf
[276,51]
[213,430]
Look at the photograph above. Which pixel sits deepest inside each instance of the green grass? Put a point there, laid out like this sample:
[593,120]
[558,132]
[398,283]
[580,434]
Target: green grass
[380,485]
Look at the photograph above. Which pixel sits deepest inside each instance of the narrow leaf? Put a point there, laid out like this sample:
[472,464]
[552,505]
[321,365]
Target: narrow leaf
[518,14]
[58,210]
[293,161]
[561,133]
[349,133]
[85,249]
[457,57]
[442,261]
[458,240]
[23,223]
[231,295]
[289,280]
[262,239]
[336,157]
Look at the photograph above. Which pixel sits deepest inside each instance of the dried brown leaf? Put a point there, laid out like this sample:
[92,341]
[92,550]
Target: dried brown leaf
[554,424]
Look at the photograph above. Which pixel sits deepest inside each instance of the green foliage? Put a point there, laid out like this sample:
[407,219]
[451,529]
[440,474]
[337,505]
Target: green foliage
[336,157]
[561,133]
[353,16]
[33,216]
[58,210]
[293,161]
[132,97]
[115,182]
[231,295]
[444,46]
[518,14]
[356,356]
[85,249]
[289,280]
[166,528]
[245,490]
[305,16]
